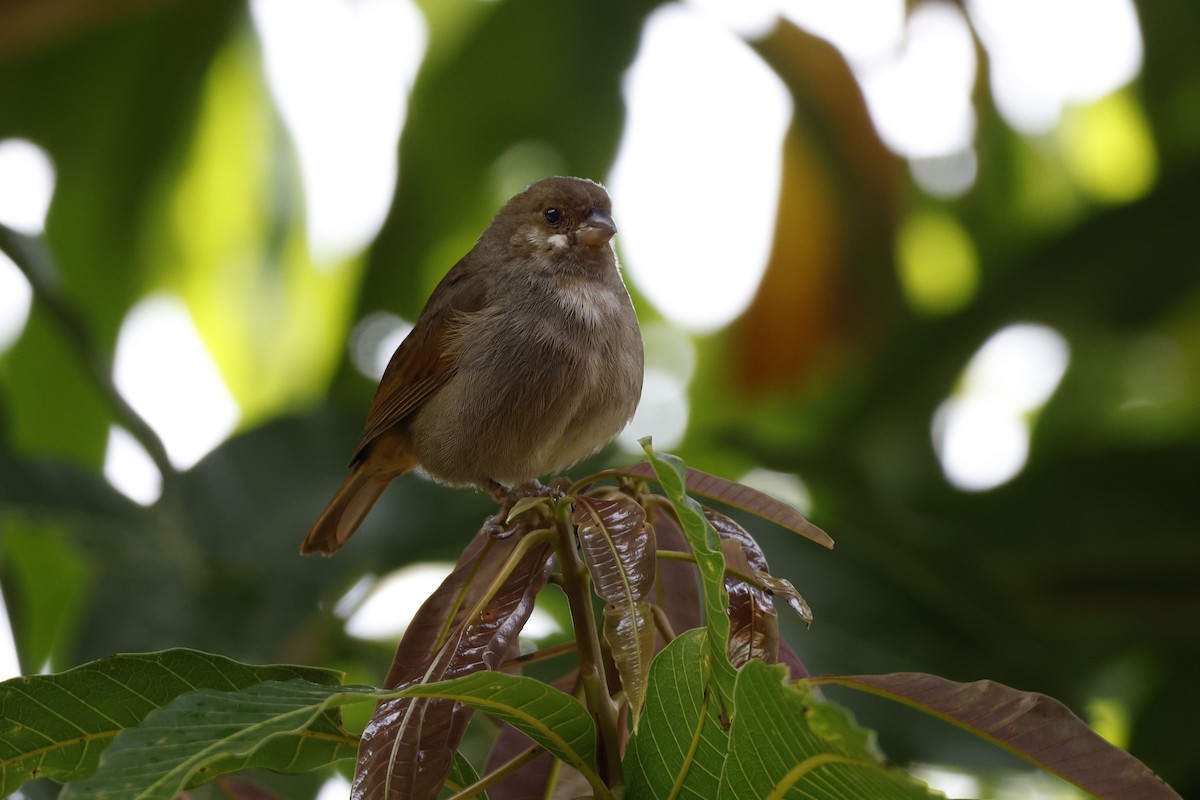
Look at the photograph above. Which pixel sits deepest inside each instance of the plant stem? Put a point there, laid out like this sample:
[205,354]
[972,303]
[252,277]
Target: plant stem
[499,773]
[591,663]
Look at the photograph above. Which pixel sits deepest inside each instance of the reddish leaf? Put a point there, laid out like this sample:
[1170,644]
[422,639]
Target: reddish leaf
[1034,726]
[618,548]
[728,529]
[408,747]
[629,631]
[238,789]
[753,622]
[743,497]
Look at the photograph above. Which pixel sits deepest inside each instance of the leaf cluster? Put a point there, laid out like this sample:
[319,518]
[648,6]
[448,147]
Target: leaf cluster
[643,712]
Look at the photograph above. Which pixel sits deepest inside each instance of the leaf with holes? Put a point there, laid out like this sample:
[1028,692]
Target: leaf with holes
[785,743]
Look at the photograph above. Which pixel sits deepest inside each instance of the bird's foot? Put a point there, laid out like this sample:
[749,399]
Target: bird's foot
[498,525]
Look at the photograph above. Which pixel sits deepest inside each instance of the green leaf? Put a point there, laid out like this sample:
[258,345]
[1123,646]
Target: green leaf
[549,717]
[1031,725]
[286,726]
[56,726]
[678,749]
[462,775]
[671,474]
[785,743]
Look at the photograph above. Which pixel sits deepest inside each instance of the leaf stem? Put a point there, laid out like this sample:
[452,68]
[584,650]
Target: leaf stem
[499,773]
[591,663]
[678,555]
[663,623]
[537,656]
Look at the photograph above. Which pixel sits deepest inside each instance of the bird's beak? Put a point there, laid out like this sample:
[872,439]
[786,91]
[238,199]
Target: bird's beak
[597,229]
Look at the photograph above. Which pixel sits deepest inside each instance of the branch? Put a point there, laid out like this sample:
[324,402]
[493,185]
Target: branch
[591,662]
[34,261]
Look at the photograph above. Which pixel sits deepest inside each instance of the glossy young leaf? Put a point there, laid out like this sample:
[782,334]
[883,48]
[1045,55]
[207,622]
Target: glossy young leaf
[618,548]
[445,640]
[57,726]
[753,621]
[1031,725]
[629,631]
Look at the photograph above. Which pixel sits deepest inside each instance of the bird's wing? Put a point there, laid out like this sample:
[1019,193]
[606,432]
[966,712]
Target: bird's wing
[426,359]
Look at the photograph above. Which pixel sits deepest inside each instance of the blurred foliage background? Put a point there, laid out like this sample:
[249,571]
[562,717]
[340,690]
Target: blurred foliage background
[1024,511]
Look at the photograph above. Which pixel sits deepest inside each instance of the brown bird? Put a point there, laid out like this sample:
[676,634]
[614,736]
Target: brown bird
[526,359]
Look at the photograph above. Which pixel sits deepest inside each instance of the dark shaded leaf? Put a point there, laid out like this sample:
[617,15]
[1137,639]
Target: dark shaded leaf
[286,726]
[740,496]
[56,726]
[618,548]
[238,789]
[680,745]
[785,743]
[1031,725]
[677,590]
[47,605]
[407,749]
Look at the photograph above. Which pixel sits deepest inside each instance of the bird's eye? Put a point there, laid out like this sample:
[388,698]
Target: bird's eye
[553,216]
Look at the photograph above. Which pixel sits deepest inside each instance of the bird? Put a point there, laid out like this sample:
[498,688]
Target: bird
[526,359]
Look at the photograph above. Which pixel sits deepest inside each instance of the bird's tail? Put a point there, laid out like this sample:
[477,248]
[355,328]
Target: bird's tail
[346,511]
